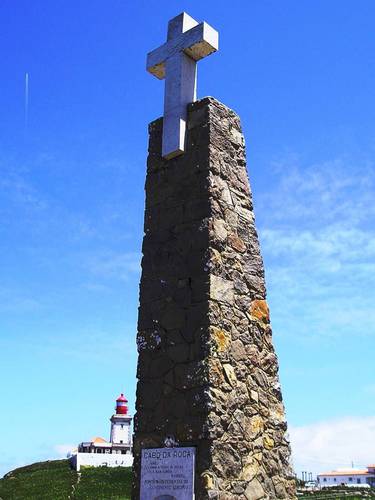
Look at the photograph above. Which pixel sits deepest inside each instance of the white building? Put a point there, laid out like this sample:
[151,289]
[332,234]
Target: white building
[348,477]
[117,452]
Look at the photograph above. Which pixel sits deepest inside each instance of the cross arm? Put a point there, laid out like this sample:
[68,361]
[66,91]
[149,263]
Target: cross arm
[198,42]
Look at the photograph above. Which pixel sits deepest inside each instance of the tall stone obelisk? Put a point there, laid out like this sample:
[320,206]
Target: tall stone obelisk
[207,371]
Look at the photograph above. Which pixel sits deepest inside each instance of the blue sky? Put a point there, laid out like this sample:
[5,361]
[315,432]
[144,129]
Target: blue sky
[301,76]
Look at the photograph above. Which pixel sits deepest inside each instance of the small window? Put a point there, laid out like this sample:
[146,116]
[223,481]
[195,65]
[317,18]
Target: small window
[121,441]
[334,479]
[350,479]
[122,426]
[325,479]
[359,481]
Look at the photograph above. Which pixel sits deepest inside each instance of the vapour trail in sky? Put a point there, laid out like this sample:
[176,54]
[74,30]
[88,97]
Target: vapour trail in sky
[26,101]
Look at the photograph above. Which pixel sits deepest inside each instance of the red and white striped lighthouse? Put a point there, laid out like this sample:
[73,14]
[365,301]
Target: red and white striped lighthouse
[121,405]
[120,423]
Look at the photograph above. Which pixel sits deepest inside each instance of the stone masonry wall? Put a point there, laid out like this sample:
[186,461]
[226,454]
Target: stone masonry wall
[207,371]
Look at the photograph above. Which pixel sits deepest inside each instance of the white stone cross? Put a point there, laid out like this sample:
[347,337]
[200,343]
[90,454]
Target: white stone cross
[187,42]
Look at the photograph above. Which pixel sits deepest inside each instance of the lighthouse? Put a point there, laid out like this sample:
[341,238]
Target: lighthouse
[120,423]
[117,452]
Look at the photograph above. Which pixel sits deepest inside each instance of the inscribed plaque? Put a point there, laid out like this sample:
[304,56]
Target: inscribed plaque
[167,473]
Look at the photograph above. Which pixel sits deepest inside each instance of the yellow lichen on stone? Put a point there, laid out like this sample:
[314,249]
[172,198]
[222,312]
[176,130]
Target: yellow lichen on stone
[207,481]
[259,310]
[256,425]
[221,338]
[268,442]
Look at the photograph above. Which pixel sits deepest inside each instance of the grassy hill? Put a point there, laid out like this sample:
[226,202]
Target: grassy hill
[55,480]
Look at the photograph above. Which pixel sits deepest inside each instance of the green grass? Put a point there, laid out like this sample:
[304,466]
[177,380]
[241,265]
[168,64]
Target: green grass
[43,480]
[328,496]
[344,494]
[337,496]
[55,480]
[104,482]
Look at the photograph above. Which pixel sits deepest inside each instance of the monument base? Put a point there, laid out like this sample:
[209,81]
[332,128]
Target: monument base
[207,371]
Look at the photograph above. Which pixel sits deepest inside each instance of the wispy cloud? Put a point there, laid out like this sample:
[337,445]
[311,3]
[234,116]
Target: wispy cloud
[332,444]
[96,287]
[318,237]
[94,344]
[320,193]
[14,301]
[334,244]
[71,210]
[114,265]
[17,190]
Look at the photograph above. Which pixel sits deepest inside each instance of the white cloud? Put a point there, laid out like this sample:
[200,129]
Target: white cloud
[331,243]
[333,444]
[320,192]
[318,241]
[63,449]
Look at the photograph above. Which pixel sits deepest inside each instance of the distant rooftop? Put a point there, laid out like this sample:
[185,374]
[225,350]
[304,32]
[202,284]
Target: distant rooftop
[348,472]
[98,440]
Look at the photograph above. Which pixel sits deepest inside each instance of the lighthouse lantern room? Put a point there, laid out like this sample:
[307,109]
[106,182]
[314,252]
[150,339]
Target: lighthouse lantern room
[120,423]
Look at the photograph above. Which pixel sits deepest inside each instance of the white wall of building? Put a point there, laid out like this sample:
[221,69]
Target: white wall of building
[101,460]
[350,479]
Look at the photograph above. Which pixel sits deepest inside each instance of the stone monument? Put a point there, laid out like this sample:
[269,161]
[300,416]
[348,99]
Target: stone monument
[209,412]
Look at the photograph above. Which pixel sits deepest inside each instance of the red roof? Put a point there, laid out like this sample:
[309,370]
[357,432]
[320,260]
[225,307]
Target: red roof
[122,398]
[98,440]
[349,472]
